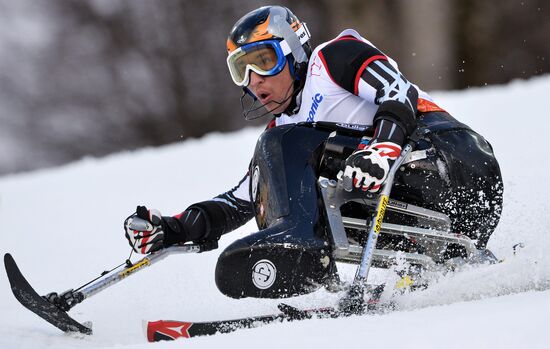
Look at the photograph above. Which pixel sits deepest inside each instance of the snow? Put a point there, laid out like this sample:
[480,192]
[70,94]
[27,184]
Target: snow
[64,227]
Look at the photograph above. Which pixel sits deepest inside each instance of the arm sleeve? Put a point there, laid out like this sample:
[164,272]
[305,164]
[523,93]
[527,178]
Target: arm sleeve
[362,69]
[209,220]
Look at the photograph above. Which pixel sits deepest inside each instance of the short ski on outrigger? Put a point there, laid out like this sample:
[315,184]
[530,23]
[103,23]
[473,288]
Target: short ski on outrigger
[31,300]
[53,307]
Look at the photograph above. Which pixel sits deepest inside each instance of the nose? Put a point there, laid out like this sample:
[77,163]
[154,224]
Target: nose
[255,80]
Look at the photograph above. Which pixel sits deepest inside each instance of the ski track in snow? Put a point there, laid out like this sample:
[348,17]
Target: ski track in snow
[64,226]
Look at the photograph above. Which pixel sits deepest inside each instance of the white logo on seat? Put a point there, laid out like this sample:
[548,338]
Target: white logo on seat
[264,274]
[255,182]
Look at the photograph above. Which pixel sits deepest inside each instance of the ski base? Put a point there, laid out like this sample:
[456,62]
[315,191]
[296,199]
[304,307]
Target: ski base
[31,300]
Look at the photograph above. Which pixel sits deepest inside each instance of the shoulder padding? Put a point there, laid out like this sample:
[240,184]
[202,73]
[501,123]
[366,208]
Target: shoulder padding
[346,58]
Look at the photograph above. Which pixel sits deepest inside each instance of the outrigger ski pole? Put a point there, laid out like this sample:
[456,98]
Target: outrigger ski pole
[53,307]
[353,302]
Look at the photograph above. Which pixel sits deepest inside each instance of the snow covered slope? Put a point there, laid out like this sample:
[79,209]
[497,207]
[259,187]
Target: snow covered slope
[64,226]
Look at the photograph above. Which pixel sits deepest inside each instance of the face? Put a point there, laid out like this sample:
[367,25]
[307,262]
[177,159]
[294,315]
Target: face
[271,91]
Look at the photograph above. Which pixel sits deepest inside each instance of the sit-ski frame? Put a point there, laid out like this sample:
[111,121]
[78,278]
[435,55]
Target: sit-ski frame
[433,232]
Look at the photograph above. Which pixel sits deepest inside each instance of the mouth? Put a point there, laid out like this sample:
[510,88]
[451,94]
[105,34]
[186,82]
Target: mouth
[264,97]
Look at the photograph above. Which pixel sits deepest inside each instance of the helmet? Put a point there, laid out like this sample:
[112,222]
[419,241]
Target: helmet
[264,40]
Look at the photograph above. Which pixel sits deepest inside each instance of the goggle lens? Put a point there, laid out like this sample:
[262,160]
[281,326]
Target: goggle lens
[263,59]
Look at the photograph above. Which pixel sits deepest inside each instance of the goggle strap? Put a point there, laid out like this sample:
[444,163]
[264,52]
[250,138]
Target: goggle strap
[294,41]
[284,47]
[302,33]
[299,33]
[305,38]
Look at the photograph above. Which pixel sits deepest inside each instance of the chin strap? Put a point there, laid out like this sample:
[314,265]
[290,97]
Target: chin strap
[247,111]
[254,108]
[299,75]
[298,72]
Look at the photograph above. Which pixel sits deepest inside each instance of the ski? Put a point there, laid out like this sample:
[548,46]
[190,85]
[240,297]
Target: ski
[31,300]
[168,330]
[163,330]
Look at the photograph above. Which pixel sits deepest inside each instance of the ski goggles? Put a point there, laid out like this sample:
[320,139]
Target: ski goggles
[265,58]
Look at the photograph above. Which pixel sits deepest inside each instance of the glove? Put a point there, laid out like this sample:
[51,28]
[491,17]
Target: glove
[144,230]
[368,167]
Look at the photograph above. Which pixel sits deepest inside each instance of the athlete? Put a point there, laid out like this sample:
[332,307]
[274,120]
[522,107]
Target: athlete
[343,84]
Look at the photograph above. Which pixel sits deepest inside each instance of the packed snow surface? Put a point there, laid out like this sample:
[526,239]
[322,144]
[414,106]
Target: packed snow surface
[64,227]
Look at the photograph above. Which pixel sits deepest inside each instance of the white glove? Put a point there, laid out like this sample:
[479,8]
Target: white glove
[368,168]
[143,230]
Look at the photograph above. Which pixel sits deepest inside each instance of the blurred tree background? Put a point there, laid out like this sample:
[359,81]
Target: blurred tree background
[81,78]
